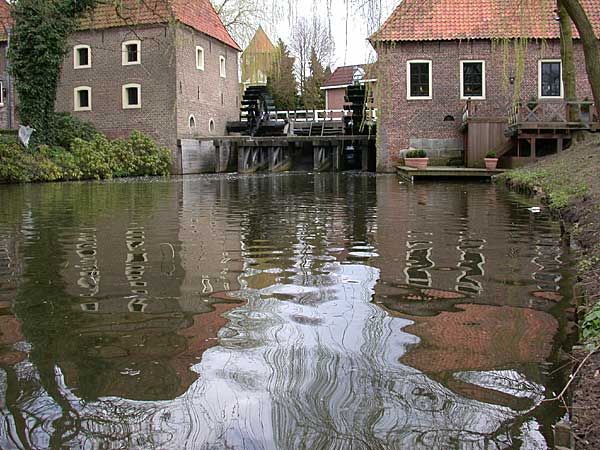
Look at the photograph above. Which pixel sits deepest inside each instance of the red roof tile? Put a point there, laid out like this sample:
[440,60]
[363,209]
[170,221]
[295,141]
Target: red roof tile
[437,20]
[198,14]
[344,76]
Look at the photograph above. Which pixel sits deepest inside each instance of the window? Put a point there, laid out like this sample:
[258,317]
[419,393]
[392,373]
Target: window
[132,96]
[132,53]
[211,126]
[222,67]
[83,98]
[82,55]
[550,83]
[472,80]
[199,58]
[418,80]
[1,93]
[192,122]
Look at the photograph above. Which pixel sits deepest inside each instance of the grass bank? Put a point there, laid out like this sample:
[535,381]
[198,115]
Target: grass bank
[569,184]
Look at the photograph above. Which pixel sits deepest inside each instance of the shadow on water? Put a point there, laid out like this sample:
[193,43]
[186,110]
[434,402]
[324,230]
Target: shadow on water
[285,312]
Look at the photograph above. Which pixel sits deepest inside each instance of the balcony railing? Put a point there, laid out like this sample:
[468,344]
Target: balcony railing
[553,114]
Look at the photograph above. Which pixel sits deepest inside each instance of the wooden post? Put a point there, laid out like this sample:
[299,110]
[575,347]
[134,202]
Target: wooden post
[559,145]
[532,140]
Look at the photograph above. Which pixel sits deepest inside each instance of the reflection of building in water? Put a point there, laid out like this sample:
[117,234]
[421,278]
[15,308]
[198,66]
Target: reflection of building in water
[152,283]
[463,243]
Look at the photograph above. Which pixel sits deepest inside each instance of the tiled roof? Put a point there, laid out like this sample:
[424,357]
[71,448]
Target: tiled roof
[198,14]
[342,76]
[438,20]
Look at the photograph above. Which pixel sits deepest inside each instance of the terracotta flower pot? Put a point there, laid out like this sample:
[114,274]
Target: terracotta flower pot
[491,163]
[417,163]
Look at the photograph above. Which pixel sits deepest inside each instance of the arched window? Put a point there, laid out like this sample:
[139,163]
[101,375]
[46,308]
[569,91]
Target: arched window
[211,126]
[192,121]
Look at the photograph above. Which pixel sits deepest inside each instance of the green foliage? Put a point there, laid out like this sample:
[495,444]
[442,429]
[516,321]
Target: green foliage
[313,97]
[559,187]
[416,154]
[38,47]
[491,155]
[591,325]
[282,81]
[93,159]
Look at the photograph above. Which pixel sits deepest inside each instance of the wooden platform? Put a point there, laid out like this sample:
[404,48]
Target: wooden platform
[411,175]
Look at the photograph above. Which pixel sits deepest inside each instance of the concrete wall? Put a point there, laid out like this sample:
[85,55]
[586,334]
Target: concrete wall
[401,120]
[155,74]
[204,93]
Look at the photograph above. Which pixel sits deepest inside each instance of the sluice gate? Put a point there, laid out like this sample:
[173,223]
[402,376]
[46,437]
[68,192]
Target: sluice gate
[278,141]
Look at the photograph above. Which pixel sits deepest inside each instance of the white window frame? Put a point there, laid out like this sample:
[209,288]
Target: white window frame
[562,83]
[200,61]
[223,66]
[76,105]
[76,64]
[1,93]
[417,61]
[462,78]
[126,105]
[124,53]
[190,122]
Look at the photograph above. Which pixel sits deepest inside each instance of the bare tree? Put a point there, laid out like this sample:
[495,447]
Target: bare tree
[310,36]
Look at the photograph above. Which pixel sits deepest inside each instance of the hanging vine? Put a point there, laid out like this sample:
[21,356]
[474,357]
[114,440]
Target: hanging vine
[38,47]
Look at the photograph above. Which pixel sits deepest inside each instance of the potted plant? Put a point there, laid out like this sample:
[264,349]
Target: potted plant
[416,159]
[491,161]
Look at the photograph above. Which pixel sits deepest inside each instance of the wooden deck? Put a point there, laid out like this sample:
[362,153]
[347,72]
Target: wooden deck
[411,175]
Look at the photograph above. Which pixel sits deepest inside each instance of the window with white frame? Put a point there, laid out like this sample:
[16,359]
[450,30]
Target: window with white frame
[472,80]
[199,58]
[82,57]
[132,96]
[418,80]
[222,67]
[550,84]
[1,93]
[132,52]
[82,98]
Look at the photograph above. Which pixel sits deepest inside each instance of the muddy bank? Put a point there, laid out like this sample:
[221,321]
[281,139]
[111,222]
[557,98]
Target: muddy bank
[569,184]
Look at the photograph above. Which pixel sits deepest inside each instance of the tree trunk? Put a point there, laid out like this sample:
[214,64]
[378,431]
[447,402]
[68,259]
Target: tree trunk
[567,52]
[590,44]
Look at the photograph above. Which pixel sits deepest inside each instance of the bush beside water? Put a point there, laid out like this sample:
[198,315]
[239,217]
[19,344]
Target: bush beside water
[88,156]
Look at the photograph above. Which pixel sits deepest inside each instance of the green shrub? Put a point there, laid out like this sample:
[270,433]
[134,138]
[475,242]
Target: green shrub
[62,130]
[96,158]
[416,154]
[93,157]
[151,160]
[591,325]
[491,155]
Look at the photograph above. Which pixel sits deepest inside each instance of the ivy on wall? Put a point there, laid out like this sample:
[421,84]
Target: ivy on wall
[37,49]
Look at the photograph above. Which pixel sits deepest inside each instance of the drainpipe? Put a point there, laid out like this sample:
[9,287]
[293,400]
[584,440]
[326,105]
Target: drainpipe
[9,99]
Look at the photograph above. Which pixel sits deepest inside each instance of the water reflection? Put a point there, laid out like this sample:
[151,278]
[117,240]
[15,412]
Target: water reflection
[287,312]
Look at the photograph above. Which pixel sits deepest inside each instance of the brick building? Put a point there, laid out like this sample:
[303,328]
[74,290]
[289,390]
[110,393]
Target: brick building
[6,99]
[436,56]
[168,69]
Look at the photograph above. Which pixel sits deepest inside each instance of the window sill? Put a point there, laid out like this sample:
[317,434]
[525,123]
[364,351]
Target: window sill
[82,109]
[82,67]
[137,63]
[132,106]
[419,98]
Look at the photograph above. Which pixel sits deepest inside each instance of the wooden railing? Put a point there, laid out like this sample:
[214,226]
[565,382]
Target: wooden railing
[553,114]
[315,115]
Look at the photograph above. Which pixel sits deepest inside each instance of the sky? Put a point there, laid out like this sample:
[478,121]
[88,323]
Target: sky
[357,50]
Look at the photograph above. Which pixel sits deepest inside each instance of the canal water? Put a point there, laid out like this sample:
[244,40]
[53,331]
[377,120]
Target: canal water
[297,311]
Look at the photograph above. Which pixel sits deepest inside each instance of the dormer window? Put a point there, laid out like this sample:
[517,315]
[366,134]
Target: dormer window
[132,53]
[222,67]
[82,55]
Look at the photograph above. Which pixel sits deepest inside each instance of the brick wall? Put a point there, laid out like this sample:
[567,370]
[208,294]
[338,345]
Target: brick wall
[155,74]
[204,93]
[401,120]
[4,108]
[336,98]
